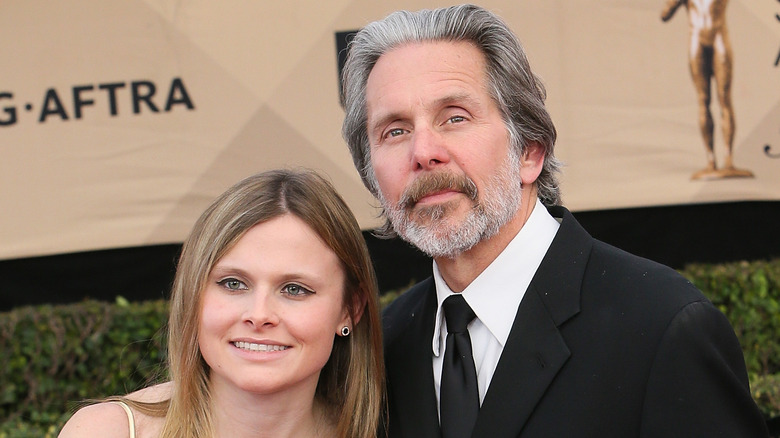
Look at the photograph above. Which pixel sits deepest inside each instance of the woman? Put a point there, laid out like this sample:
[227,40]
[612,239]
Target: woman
[273,329]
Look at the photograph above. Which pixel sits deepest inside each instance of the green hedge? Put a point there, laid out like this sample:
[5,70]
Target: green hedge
[52,357]
[749,294]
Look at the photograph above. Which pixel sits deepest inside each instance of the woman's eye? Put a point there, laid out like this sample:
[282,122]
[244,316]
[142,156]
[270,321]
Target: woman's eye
[296,290]
[232,284]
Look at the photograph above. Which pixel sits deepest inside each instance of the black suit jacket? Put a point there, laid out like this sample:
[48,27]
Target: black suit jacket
[604,344]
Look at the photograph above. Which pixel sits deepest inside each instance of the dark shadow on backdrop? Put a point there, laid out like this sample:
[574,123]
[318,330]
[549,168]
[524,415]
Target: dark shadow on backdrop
[674,235]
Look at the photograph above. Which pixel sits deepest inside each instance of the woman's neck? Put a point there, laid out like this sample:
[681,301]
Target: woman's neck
[238,414]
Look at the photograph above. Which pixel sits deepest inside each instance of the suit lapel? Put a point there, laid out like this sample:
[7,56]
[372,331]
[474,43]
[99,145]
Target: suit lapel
[410,387]
[535,350]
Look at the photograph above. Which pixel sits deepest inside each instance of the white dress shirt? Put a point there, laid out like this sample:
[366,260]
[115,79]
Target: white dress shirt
[495,296]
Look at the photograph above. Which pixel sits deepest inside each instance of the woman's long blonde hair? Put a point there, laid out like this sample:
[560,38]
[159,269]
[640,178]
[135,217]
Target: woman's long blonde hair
[351,385]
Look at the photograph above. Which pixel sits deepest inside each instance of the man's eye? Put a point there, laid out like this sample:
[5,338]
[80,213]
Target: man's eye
[232,284]
[296,290]
[456,119]
[394,132]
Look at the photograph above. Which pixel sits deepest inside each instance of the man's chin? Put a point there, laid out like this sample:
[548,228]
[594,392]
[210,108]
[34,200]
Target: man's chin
[436,227]
[436,240]
[437,247]
[426,214]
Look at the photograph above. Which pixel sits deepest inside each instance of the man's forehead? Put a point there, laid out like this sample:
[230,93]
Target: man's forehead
[406,49]
[430,62]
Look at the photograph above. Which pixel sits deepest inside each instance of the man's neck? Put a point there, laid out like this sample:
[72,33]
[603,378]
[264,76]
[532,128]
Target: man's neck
[461,270]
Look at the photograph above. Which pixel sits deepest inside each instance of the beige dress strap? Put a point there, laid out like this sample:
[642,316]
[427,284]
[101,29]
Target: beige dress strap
[130,418]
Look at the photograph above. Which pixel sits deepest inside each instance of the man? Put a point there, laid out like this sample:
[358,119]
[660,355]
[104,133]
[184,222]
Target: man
[570,337]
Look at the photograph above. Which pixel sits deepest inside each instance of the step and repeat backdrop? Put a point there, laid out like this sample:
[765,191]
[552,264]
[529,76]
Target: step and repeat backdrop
[121,121]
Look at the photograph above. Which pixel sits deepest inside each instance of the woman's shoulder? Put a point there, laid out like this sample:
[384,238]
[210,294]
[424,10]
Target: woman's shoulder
[152,394]
[107,419]
[110,419]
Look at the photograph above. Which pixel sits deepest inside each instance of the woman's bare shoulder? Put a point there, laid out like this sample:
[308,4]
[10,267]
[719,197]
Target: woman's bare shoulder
[99,420]
[153,394]
[109,419]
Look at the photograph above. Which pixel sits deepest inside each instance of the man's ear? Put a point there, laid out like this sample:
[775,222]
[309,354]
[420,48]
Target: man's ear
[531,162]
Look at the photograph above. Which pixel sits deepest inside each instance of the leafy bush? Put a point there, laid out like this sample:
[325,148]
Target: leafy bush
[53,357]
[748,293]
[766,393]
[39,425]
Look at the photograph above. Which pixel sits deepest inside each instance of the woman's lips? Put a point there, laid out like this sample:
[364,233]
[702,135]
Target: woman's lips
[258,346]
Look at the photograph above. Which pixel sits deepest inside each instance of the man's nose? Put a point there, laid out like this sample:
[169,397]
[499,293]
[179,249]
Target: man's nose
[429,150]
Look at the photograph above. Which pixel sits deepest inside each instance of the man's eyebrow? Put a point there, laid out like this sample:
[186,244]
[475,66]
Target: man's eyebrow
[457,99]
[377,124]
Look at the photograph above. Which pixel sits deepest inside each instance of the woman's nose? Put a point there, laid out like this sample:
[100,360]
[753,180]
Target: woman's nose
[261,310]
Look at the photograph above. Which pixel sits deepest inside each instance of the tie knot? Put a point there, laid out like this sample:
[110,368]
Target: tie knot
[457,313]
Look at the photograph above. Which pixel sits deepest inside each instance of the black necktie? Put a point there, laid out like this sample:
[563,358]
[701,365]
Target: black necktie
[459,397]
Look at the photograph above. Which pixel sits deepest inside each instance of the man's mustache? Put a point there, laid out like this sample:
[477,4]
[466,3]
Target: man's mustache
[436,182]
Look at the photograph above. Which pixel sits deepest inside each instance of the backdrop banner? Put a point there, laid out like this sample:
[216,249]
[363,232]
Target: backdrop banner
[121,121]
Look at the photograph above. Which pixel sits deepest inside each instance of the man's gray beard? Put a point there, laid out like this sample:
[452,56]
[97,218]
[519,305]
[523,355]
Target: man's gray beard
[438,237]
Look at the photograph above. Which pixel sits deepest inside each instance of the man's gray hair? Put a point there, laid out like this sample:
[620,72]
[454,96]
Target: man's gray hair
[517,91]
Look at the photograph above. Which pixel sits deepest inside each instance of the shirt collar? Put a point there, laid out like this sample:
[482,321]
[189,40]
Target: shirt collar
[496,293]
